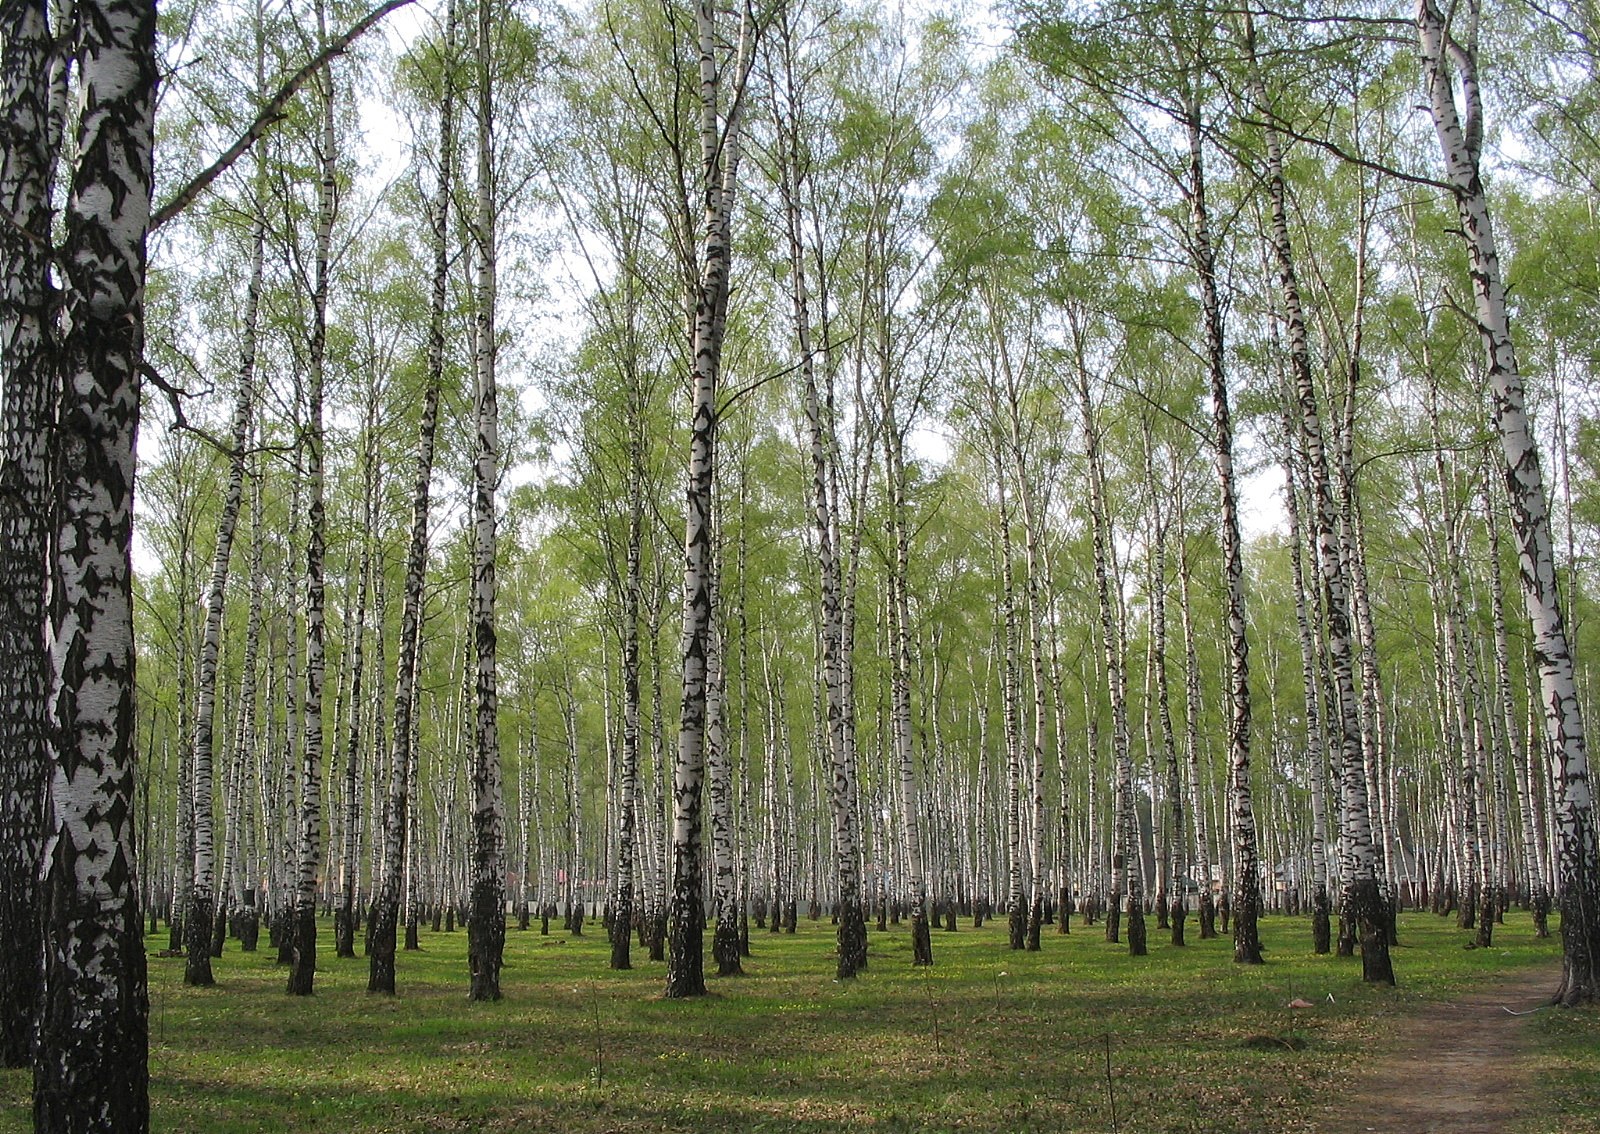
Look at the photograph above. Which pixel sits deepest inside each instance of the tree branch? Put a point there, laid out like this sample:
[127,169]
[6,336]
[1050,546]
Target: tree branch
[269,114]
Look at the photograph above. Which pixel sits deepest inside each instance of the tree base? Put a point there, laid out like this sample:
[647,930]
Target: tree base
[852,938]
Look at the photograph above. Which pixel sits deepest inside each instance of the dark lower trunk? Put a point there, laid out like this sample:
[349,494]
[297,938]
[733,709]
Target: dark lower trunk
[90,1072]
[1137,945]
[1246,937]
[303,959]
[1017,924]
[219,931]
[1486,918]
[921,942]
[1208,916]
[1321,928]
[1035,924]
[725,947]
[344,932]
[1161,911]
[658,936]
[686,961]
[950,916]
[1541,913]
[381,926]
[622,934]
[852,938]
[248,927]
[1467,914]
[1580,943]
[1176,916]
[1346,944]
[486,939]
[197,939]
[1367,909]
[1114,919]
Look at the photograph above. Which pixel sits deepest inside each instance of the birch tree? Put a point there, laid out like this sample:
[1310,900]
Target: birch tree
[721,91]
[1450,73]
[90,1072]
[27,397]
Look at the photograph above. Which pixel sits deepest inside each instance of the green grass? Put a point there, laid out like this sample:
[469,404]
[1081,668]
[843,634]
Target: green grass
[988,1040]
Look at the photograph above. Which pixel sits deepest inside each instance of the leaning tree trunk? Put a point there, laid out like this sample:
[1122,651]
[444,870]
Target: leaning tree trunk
[1460,139]
[1366,897]
[26,413]
[1316,759]
[1246,868]
[90,1071]
[202,892]
[1536,885]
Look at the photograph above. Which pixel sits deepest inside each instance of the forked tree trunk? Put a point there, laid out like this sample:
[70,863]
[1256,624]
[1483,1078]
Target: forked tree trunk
[1366,897]
[719,152]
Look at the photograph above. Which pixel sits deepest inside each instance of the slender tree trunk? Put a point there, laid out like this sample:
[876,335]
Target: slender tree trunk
[486,920]
[344,915]
[26,414]
[202,892]
[1124,824]
[304,943]
[1246,868]
[384,919]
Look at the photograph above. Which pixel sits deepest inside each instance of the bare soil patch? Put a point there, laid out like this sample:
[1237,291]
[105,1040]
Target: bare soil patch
[1459,1067]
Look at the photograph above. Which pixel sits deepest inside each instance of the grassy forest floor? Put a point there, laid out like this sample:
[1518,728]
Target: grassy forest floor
[988,1040]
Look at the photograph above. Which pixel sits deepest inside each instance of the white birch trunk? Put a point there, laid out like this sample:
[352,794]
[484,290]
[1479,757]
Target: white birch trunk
[1460,139]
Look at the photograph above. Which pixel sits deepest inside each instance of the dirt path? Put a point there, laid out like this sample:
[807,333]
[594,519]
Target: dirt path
[1456,1067]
